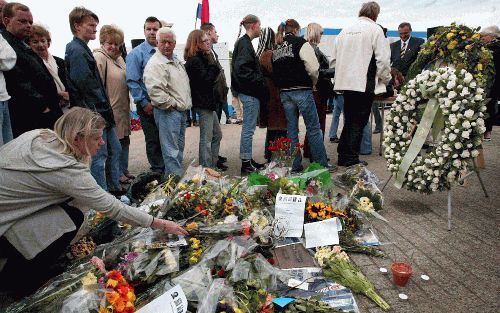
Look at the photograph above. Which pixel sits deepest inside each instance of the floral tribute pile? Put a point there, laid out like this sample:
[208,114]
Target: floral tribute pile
[227,263]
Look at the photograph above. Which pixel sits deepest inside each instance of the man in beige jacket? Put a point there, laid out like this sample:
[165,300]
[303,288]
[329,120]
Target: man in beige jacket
[167,84]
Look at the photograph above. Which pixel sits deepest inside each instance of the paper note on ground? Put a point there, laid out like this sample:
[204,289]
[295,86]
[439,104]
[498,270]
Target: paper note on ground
[323,233]
[289,215]
[172,301]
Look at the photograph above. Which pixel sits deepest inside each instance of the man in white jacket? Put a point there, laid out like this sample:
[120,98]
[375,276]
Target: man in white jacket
[7,61]
[361,57]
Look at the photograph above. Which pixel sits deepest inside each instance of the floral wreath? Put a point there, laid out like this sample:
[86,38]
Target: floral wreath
[456,127]
[457,45]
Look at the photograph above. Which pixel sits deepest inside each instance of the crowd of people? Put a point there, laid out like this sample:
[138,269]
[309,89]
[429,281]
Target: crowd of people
[71,117]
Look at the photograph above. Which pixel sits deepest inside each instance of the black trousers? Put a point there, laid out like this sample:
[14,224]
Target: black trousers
[357,108]
[21,276]
[152,137]
[222,107]
[492,110]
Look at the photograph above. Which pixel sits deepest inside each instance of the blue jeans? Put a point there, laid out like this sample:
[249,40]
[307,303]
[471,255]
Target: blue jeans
[366,140]
[125,144]
[5,127]
[303,100]
[251,107]
[210,137]
[338,107]
[109,151]
[172,129]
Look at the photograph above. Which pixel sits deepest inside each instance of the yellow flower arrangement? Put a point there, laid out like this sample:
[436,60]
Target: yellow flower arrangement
[229,206]
[196,250]
[192,226]
[89,280]
[456,45]
[452,45]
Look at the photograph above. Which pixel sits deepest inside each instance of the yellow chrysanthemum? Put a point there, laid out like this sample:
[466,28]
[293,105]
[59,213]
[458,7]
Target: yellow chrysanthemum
[192,226]
[89,280]
[476,36]
[452,45]
[193,260]
[468,47]
[450,35]
[111,283]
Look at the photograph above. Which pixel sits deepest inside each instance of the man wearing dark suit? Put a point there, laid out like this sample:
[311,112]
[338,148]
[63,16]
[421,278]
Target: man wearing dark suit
[405,50]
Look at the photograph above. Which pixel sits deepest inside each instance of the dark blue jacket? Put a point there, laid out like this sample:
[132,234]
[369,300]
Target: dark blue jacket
[85,84]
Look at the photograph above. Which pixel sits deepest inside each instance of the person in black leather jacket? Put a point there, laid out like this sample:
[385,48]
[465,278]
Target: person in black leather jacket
[247,80]
[203,73]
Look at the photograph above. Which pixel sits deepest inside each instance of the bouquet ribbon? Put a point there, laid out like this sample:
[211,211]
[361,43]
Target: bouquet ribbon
[418,140]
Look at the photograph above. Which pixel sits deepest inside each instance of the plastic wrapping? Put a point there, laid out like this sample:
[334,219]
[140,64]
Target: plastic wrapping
[219,290]
[49,298]
[153,263]
[241,270]
[82,301]
[226,252]
[195,281]
[268,274]
[353,174]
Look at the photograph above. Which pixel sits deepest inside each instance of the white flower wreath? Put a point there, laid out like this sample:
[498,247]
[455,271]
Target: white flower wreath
[457,129]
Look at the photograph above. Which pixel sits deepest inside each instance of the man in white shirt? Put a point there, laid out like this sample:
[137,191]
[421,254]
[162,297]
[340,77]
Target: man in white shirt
[7,61]
[167,84]
[361,58]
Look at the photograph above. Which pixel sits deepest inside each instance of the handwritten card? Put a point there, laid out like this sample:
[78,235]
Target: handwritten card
[323,233]
[289,215]
[172,301]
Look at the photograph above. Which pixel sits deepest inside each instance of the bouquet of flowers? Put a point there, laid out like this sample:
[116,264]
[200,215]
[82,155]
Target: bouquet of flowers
[282,152]
[337,266]
[120,296]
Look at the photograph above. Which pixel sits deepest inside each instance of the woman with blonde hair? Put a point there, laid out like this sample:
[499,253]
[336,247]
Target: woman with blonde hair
[203,72]
[45,186]
[324,86]
[112,70]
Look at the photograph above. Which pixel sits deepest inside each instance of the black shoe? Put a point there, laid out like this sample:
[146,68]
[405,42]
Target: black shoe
[221,166]
[257,165]
[222,159]
[246,167]
[228,121]
[196,123]
[188,124]
[376,131]
[332,167]
[297,170]
[334,140]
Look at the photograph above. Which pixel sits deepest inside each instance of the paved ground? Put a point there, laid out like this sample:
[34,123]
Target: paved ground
[462,264]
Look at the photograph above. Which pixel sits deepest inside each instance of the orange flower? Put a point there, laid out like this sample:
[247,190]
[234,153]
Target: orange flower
[116,275]
[112,297]
[120,306]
